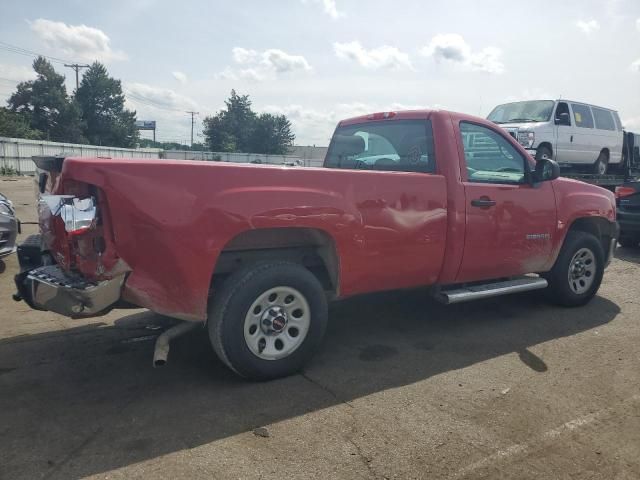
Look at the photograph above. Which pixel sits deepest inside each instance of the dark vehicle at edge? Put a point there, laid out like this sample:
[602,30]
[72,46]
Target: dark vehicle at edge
[628,203]
[9,227]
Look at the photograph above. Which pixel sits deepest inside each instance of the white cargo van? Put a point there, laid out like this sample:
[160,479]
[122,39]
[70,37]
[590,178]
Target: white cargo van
[572,133]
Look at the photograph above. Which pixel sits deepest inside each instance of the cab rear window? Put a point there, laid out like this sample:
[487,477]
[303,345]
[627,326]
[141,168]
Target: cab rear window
[392,145]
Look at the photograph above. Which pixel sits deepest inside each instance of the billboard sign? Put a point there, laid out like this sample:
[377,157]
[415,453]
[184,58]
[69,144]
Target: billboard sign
[146,124]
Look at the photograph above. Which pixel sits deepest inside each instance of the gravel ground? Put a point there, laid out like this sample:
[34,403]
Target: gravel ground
[402,388]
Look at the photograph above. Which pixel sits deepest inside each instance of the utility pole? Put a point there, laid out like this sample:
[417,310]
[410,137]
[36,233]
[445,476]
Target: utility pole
[76,67]
[193,114]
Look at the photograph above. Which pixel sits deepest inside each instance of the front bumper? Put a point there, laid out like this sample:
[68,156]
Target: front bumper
[48,287]
[9,229]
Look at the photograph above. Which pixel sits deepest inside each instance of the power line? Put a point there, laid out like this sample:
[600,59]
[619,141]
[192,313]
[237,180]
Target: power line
[28,53]
[149,102]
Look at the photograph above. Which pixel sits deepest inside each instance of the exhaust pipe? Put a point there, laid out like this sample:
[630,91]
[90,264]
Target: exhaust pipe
[161,351]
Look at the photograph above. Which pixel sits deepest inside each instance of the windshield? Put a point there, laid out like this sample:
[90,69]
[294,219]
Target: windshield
[517,112]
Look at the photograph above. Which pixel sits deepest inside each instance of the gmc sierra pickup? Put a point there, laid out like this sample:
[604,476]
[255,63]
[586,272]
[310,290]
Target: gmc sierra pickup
[254,252]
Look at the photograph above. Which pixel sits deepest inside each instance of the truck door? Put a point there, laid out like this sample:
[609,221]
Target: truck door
[509,223]
[564,131]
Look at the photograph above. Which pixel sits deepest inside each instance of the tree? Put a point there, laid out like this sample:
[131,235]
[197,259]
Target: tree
[272,135]
[101,102]
[240,129]
[44,101]
[16,125]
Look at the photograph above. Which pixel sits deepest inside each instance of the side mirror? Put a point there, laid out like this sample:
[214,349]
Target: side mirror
[546,170]
[563,119]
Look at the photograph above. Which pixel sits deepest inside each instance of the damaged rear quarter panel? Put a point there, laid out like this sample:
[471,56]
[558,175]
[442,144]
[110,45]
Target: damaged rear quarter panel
[172,218]
[170,221]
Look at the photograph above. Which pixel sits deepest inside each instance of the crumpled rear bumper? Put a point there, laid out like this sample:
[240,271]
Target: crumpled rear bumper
[50,288]
[45,286]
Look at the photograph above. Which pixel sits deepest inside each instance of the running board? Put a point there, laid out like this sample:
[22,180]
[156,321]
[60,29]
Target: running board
[493,289]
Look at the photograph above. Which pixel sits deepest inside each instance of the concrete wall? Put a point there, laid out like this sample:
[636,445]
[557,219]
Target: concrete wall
[233,157]
[311,155]
[16,153]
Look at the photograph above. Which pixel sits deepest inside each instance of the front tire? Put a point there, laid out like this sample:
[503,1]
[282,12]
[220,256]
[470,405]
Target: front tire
[267,320]
[577,274]
[602,164]
[544,153]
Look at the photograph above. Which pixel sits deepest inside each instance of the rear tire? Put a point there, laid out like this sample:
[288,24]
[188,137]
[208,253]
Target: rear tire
[601,165]
[267,320]
[577,274]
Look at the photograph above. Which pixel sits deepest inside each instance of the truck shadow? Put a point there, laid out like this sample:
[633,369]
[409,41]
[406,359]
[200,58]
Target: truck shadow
[628,254]
[85,401]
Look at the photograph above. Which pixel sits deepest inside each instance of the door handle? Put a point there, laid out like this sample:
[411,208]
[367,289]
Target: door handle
[571,138]
[483,202]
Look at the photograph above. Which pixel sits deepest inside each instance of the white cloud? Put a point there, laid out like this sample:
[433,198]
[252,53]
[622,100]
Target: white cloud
[313,126]
[165,106]
[259,66]
[11,76]
[17,72]
[635,66]
[78,42]
[329,6]
[243,55]
[375,58]
[253,74]
[530,94]
[227,74]
[638,24]
[283,62]
[142,94]
[487,60]
[588,26]
[180,77]
[631,123]
[452,47]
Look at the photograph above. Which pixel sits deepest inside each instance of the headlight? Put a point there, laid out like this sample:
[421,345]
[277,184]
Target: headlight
[5,209]
[526,139]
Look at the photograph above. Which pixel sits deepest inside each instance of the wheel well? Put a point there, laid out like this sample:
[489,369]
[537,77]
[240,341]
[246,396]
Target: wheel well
[596,226]
[310,247]
[546,145]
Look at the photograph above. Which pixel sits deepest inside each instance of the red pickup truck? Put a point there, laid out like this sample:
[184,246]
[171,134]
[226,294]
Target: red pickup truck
[254,252]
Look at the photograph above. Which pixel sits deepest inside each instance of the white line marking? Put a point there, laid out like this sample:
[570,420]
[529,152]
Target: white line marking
[521,448]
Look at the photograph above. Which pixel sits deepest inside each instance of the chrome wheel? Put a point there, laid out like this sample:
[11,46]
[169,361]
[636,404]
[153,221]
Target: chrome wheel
[277,323]
[582,271]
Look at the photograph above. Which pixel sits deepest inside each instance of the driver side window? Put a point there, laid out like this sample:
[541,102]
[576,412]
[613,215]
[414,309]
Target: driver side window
[489,157]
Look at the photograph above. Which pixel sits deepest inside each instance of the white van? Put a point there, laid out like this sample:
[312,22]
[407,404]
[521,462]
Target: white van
[571,133]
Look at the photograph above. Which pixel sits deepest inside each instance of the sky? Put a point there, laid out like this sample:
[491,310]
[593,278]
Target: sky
[319,61]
